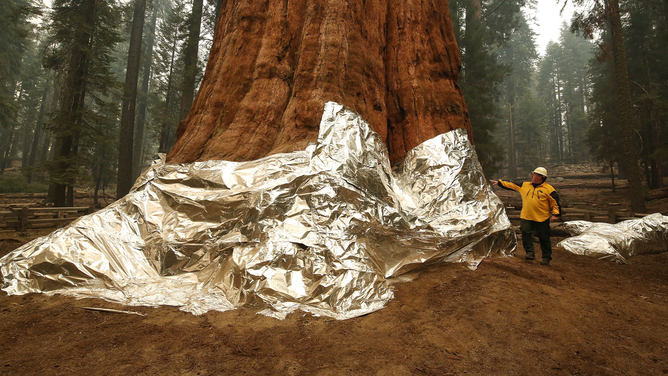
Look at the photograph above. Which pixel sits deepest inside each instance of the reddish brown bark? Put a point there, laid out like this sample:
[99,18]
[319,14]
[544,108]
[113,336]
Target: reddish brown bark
[274,64]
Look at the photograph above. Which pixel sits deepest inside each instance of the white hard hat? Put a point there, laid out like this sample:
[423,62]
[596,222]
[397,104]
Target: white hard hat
[540,171]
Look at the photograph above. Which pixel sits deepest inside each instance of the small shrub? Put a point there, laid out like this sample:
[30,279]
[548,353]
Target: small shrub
[36,187]
[18,184]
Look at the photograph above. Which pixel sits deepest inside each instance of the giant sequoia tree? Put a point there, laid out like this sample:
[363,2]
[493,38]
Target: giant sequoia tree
[274,64]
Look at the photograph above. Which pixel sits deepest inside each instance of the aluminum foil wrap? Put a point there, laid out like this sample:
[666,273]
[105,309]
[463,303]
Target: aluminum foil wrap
[319,230]
[619,241]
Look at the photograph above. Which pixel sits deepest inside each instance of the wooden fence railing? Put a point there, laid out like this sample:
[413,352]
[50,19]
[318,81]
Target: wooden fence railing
[574,214]
[41,217]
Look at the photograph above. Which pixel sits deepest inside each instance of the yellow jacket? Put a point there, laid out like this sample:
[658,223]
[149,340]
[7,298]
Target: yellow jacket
[538,203]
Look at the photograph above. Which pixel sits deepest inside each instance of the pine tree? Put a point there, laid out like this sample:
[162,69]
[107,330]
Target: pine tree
[138,152]
[575,54]
[36,88]
[126,144]
[597,13]
[647,50]
[550,91]
[531,131]
[190,58]
[167,68]
[14,37]
[520,55]
[482,28]
[84,33]
[604,125]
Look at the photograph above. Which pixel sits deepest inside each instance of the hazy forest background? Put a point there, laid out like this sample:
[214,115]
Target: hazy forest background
[92,90]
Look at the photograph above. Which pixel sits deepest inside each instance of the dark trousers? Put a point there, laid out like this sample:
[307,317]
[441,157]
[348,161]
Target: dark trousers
[543,229]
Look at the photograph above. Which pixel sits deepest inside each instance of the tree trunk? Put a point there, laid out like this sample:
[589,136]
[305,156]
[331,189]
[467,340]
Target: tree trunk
[626,110]
[27,143]
[656,168]
[560,118]
[166,130]
[512,164]
[125,177]
[656,175]
[665,12]
[612,175]
[274,64]
[46,151]
[39,124]
[137,153]
[72,104]
[10,143]
[190,59]
[7,141]
[98,180]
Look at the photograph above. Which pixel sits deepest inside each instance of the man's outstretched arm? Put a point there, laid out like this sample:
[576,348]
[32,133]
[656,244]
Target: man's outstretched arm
[505,184]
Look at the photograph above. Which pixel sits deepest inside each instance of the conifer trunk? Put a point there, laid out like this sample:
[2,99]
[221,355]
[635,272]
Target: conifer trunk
[125,147]
[166,130]
[190,59]
[72,104]
[626,110]
[274,64]
[137,153]
[512,163]
[37,137]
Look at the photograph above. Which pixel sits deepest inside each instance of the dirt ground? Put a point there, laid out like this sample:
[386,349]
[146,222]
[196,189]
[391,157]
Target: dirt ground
[578,316]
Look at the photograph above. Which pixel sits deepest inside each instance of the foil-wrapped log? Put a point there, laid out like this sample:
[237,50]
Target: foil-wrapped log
[617,242]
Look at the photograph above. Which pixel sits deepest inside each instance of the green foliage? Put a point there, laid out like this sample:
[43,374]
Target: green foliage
[83,35]
[564,86]
[19,184]
[15,30]
[37,72]
[167,69]
[531,139]
[520,121]
[647,52]
[604,125]
[481,32]
[646,40]
[575,55]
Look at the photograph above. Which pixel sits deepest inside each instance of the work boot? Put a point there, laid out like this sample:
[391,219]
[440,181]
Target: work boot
[545,262]
[529,258]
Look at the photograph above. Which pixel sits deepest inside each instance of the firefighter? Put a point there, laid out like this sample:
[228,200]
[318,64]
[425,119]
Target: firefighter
[540,206]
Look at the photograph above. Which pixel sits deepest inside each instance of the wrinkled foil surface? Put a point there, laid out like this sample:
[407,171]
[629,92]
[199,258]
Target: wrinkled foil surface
[319,230]
[620,241]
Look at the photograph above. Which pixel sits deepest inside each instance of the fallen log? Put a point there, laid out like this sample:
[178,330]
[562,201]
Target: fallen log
[584,176]
[587,185]
[657,194]
[556,230]
[43,195]
[23,195]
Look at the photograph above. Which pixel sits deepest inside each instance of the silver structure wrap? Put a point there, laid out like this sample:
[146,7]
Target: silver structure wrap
[319,230]
[619,241]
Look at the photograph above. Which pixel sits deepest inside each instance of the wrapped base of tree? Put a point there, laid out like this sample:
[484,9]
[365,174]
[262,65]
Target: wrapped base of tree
[319,230]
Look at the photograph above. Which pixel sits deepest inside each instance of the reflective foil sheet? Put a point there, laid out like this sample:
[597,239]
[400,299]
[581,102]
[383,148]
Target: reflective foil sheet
[619,241]
[319,230]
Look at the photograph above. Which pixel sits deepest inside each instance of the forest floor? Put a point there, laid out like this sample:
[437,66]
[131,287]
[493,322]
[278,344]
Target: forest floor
[578,316]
